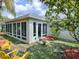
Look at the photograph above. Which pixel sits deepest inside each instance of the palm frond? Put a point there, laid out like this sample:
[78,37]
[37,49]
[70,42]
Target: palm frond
[10,6]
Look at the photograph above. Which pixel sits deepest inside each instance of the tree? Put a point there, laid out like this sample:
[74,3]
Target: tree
[70,8]
[9,4]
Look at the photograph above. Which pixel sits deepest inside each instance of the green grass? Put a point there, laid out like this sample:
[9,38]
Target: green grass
[51,50]
[67,40]
[13,40]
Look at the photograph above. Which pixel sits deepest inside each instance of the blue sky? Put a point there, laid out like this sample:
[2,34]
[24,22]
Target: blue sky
[23,7]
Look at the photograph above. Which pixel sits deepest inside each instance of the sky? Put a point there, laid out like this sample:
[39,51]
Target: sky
[23,7]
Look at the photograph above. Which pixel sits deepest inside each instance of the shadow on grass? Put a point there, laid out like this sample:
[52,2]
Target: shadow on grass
[13,40]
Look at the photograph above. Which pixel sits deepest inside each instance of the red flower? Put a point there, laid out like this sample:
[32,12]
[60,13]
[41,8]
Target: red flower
[2,41]
[49,38]
[72,53]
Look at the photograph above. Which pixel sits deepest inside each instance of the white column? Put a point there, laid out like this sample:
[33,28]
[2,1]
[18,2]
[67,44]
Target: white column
[20,30]
[26,31]
[12,29]
[37,30]
[31,32]
[41,29]
[9,28]
[48,30]
[5,28]
[16,29]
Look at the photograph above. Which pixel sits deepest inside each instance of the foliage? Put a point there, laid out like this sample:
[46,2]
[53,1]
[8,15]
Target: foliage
[69,8]
[47,51]
[10,6]
[7,54]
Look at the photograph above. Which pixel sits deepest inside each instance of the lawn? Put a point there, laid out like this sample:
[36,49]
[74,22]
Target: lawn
[51,50]
[13,40]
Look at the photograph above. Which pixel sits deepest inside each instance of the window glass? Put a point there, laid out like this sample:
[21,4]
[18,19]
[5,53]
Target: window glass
[39,30]
[45,29]
[34,28]
[6,27]
[14,29]
[18,28]
[10,25]
[23,28]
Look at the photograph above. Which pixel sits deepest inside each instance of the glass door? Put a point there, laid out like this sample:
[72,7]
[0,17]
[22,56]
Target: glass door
[39,30]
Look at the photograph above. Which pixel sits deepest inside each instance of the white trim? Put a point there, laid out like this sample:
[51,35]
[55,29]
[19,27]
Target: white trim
[12,29]
[16,29]
[20,30]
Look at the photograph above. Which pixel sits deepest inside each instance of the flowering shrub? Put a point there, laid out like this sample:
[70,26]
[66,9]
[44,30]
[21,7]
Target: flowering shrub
[8,54]
[72,53]
[5,44]
[2,41]
[45,40]
[7,51]
[50,38]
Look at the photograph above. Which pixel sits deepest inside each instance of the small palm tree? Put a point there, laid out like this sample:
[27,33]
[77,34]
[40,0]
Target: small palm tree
[10,6]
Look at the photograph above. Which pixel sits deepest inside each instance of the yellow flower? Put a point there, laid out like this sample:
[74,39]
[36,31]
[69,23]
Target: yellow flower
[7,45]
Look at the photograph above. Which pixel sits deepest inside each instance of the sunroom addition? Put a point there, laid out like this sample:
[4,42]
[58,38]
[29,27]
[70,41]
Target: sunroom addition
[27,28]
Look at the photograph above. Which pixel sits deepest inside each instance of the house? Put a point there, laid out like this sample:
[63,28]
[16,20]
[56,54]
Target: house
[27,28]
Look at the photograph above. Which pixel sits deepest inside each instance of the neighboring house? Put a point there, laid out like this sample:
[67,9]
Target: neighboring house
[27,28]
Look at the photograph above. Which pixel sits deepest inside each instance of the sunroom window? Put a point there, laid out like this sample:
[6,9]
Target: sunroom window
[23,30]
[10,29]
[6,27]
[18,30]
[34,28]
[44,29]
[14,29]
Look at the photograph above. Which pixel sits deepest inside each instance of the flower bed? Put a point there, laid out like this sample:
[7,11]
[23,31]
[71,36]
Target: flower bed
[5,44]
[49,38]
[7,51]
[72,53]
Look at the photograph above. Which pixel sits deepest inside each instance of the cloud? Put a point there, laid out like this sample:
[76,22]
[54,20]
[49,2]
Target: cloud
[7,14]
[30,8]
[37,4]
[21,8]
[10,16]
